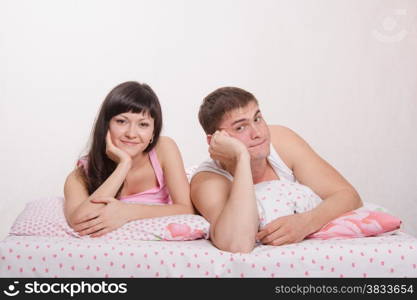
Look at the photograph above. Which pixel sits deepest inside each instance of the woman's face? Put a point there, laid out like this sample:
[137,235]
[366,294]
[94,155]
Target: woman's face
[132,132]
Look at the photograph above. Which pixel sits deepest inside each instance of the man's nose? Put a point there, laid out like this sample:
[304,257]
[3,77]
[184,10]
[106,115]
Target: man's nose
[255,132]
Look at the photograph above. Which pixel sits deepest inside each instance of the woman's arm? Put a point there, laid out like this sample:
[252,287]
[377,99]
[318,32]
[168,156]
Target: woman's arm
[172,166]
[117,213]
[78,205]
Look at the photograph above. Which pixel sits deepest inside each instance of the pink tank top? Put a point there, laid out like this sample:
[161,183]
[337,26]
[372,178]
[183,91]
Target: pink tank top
[156,195]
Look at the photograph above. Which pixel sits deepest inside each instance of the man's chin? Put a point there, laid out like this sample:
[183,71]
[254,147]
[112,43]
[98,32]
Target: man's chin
[258,155]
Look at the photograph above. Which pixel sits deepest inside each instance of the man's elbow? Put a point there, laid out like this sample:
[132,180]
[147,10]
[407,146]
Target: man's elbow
[357,201]
[234,246]
[187,209]
[240,248]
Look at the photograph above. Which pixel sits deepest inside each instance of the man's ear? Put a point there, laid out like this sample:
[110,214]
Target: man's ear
[209,138]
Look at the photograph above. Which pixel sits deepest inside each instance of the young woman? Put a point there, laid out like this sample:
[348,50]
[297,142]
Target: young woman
[130,171]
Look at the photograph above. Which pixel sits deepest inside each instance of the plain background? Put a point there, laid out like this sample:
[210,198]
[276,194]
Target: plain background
[342,74]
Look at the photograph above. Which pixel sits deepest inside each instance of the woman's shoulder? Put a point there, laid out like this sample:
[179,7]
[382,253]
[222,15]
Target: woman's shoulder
[165,148]
[76,175]
[165,143]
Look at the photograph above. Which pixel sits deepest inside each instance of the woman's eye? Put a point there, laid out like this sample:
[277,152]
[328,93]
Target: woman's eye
[120,121]
[240,128]
[144,124]
[258,118]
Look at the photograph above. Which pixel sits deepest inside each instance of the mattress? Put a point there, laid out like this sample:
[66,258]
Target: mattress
[33,256]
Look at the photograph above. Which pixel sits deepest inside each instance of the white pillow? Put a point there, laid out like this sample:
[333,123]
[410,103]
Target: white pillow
[45,217]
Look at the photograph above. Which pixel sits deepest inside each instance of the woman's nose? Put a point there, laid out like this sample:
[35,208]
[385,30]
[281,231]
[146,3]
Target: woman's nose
[130,132]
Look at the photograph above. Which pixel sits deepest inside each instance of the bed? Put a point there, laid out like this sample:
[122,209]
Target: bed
[41,244]
[31,256]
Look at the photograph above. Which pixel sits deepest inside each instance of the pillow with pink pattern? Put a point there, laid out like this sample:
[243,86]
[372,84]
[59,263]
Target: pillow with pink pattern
[361,222]
[45,217]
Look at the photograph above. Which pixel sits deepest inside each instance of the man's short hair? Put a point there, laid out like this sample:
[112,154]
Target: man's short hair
[216,104]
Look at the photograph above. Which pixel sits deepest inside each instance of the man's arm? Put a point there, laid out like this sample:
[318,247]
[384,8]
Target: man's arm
[230,207]
[338,195]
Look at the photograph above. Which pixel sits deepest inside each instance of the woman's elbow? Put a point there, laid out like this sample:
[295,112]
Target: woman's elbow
[72,218]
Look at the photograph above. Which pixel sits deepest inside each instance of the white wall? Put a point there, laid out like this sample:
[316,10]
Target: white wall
[340,73]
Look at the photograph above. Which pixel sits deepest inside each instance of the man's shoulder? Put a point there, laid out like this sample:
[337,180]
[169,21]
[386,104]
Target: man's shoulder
[284,135]
[280,131]
[283,139]
[209,178]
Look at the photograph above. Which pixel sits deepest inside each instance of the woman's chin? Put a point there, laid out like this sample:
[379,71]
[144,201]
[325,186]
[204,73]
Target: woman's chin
[133,152]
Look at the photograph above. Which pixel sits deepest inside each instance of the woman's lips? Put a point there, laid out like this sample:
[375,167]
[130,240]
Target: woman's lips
[129,143]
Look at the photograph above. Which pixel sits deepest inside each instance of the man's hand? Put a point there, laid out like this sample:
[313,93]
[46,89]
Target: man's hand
[226,149]
[112,216]
[286,230]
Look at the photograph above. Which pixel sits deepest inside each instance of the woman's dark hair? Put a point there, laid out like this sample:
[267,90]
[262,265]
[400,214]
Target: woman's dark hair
[129,96]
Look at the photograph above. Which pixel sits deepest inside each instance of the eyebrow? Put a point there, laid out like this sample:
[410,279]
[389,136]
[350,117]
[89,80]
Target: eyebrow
[138,120]
[242,120]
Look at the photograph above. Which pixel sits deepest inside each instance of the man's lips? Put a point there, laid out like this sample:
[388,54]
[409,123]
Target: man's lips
[259,144]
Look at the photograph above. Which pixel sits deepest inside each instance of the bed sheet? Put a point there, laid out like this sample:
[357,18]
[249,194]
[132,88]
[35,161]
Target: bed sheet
[383,256]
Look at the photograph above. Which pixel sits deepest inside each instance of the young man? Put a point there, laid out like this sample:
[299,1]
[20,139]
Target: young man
[240,145]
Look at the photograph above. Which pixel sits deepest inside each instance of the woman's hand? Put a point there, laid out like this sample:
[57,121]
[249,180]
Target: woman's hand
[112,216]
[116,154]
[225,148]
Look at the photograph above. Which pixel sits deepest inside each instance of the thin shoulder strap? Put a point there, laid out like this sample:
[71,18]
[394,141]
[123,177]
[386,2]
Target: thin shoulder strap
[156,167]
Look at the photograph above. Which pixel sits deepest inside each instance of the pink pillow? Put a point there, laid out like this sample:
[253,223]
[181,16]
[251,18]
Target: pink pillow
[45,217]
[358,223]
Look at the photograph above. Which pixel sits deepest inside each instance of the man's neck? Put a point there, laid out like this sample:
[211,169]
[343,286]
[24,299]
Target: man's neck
[259,168]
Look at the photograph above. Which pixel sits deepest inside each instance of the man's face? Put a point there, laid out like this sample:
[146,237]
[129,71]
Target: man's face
[248,126]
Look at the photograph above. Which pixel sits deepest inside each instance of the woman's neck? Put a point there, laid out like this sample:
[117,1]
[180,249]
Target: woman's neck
[139,160]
